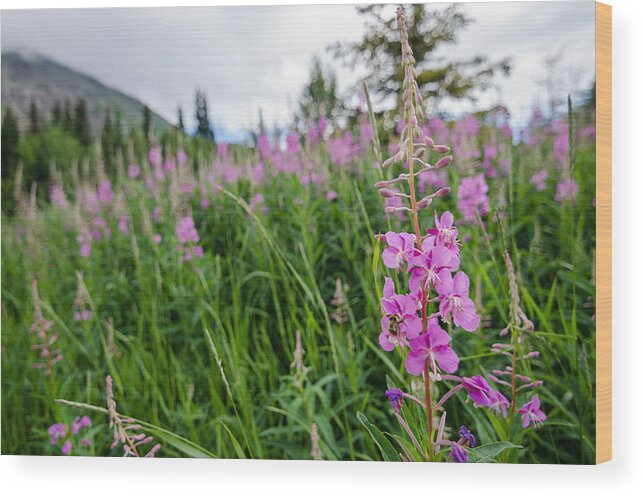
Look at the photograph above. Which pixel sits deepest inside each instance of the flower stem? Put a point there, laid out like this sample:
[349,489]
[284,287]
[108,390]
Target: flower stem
[418,238]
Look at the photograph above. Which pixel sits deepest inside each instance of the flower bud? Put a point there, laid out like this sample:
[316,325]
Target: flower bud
[389,210]
[443,162]
[429,142]
[441,148]
[442,192]
[387,193]
[424,202]
[388,161]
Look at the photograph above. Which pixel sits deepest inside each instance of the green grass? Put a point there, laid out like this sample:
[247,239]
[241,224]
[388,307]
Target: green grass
[203,348]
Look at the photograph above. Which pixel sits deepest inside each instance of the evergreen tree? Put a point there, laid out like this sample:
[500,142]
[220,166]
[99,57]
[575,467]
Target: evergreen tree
[118,129]
[68,119]
[107,138]
[82,130]
[203,122]
[35,124]
[57,114]
[10,139]
[147,123]
[430,31]
[320,95]
[181,125]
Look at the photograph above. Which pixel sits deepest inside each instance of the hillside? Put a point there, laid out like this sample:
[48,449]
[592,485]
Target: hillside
[35,77]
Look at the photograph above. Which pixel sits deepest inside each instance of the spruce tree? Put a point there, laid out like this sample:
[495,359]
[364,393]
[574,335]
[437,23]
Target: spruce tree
[68,118]
[181,126]
[107,138]
[147,123]
[203,122]
[57,114]
[10,139]
[82,129]
[35,124]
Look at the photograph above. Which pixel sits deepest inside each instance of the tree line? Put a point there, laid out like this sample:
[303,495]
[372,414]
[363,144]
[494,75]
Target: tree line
[62,135]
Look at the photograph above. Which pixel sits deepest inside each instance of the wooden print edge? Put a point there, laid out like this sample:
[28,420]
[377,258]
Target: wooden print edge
[603,232]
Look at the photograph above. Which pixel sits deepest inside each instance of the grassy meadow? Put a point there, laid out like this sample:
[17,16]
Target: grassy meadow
[203,350]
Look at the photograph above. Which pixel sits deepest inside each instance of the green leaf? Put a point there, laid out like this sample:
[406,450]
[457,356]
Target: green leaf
[488,452]
[389,453]
[235,444]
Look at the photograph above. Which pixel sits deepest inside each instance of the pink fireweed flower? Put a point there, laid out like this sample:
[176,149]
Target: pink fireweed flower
[539,179]
[400,249]
[223,150]
[263,147]
[566,190]
[60,431]
[433,268]
[57,197]
[455,301]
[531,413]
[133,171]
[445,232]
[293,144]
[188,237]
[56,432]
[123,224]
[84,238]
[467,437]
[105,193]
[66,447]
[484,395]
[181,157]
[331,195]
[459,453]
[186,231]
[432,347]
[396,397]
[400,322]
[490,153]
[80,423]
[472,197]
[154,156]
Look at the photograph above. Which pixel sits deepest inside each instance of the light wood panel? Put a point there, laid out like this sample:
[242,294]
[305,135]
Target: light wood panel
[603,232]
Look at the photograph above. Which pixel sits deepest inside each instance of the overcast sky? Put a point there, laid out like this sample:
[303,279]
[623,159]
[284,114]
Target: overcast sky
[246,58]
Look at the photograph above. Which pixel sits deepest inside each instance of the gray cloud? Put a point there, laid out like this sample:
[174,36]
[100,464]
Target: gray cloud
[247,58]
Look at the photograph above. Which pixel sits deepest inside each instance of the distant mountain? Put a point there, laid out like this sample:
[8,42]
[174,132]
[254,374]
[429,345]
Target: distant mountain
[27,77]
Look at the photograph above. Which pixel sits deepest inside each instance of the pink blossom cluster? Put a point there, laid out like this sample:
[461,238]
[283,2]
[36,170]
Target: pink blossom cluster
[567,190]
[472,197]
[538,179]
[422,321]
[188,239]
[316,131]
[69,434]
